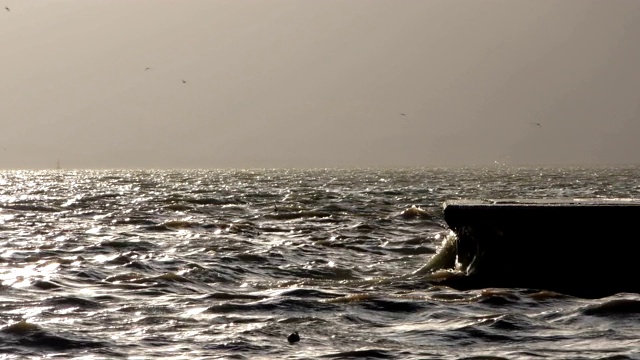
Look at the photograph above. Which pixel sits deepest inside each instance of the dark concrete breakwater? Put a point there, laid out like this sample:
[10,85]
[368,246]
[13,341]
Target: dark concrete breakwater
[582,247]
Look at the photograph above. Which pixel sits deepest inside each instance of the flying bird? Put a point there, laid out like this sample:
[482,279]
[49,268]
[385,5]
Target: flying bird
[537,124]
[184,81]
[7,8]
[145,69]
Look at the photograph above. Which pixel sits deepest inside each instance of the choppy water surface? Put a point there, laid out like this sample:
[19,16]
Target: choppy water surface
[227,263]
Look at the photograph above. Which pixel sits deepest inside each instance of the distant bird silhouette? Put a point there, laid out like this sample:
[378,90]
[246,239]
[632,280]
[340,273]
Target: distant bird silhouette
[145,69]
[403,114]
[7,8]
[184,81]
[537,124]
[293,338]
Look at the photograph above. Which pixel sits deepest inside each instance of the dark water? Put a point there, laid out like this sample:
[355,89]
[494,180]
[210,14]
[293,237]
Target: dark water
[225,264]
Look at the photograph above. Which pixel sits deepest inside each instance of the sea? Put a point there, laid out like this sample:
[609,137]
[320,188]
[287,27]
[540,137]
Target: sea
[227,264]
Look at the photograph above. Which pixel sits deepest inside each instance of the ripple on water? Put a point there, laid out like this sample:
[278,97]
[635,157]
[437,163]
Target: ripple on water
[614,307]
[228,263]
[33,337]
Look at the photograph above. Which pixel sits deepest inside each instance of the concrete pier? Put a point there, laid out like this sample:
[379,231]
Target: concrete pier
[582,247]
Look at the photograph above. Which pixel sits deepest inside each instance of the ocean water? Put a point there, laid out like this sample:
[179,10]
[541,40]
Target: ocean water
[225,264]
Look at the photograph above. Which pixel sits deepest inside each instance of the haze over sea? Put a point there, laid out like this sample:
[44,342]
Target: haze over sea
[225,264]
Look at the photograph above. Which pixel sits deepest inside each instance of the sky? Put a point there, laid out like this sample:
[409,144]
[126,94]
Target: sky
[331,83]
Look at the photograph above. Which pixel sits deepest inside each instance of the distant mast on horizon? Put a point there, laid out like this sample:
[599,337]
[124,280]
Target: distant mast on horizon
[58,165]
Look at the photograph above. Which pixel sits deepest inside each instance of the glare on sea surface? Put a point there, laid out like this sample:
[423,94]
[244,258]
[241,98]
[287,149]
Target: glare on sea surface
[7,199]
[5,218]
[24,276]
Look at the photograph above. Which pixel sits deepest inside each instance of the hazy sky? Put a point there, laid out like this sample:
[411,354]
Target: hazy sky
[318,83]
